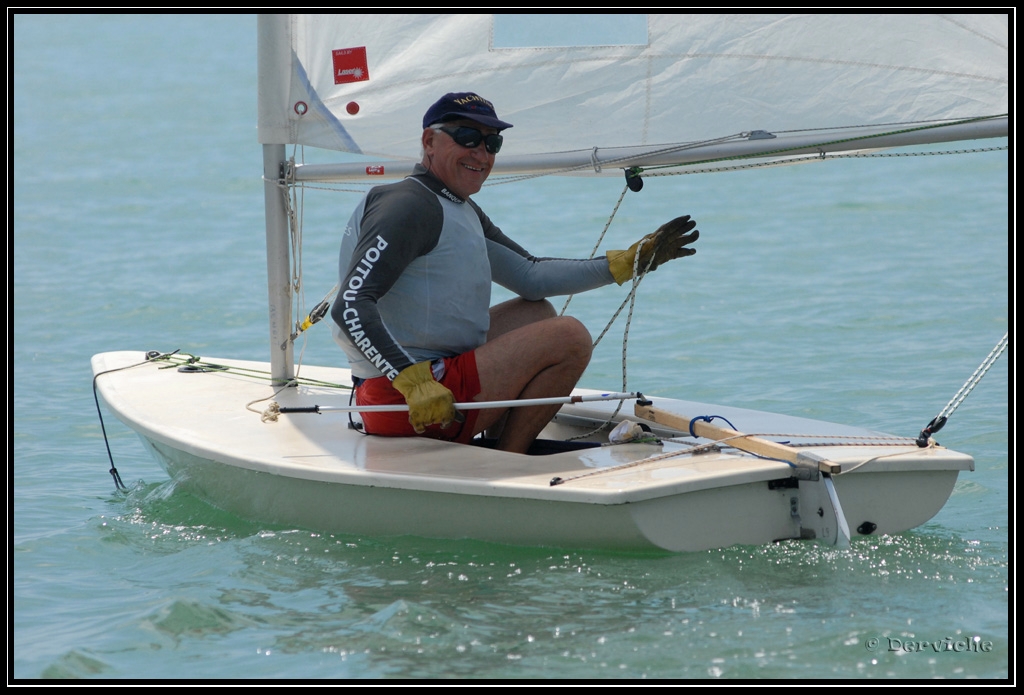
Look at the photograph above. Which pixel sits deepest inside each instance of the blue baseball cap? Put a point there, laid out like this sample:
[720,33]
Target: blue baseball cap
[456,105]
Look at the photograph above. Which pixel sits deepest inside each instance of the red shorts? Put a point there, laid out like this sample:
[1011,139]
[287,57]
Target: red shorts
[460,377]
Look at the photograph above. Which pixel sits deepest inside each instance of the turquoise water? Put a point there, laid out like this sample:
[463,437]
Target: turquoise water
[863,292]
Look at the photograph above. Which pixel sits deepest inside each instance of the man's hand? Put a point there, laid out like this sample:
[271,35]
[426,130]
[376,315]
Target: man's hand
[430,403]
[669,241]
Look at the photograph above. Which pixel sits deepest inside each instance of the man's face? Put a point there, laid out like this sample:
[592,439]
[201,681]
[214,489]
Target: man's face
[463,170]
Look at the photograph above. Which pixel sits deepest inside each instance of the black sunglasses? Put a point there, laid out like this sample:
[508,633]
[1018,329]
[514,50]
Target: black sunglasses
[471,137]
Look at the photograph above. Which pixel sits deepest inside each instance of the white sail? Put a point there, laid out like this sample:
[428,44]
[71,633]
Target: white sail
[360,83]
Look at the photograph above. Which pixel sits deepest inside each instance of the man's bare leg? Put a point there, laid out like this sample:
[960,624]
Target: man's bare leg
[516,313]
[508,316]
[536,359]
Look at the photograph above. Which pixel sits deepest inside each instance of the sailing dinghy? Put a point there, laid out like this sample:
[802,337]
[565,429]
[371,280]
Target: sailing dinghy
[681,476]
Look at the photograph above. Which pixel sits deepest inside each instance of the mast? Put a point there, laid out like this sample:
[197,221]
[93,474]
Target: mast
[272,52]
[279,286]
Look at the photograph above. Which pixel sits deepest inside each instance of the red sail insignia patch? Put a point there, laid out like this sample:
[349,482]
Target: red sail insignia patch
[350,65]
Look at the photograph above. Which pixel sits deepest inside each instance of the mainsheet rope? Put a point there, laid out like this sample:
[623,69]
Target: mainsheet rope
[939,420]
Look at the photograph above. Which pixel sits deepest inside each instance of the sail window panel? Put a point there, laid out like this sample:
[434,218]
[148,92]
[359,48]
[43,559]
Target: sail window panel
[568,30]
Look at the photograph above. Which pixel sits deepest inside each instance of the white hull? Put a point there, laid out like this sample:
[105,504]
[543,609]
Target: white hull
[312,471]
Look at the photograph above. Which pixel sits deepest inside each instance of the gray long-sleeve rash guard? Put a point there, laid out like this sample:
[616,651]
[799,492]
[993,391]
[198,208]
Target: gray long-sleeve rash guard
[416,268]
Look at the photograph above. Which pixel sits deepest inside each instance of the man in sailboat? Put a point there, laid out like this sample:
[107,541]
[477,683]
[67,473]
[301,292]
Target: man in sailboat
[413,312]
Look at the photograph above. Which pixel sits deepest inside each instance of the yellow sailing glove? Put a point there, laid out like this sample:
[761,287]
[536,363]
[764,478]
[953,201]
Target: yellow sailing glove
[667,242]
[430,403]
